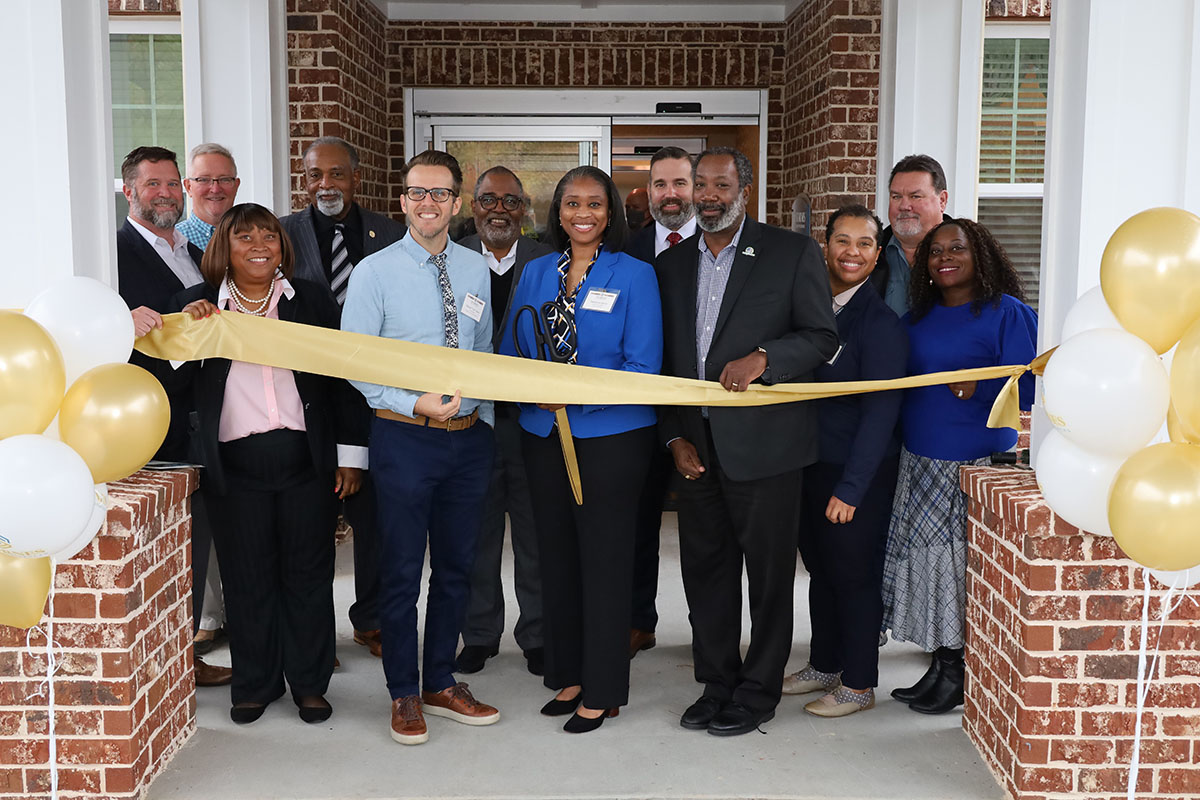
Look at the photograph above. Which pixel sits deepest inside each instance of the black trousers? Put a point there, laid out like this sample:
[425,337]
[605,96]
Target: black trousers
[845,567]
[273,529]
[201,547]
[724,524]
[586,557]
[360,512]
[649,522]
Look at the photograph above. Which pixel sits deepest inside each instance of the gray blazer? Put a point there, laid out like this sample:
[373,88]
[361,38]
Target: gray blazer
[527,250]
[378,233]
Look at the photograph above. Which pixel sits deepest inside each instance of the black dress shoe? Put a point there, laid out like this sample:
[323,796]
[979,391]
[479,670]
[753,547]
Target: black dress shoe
[473,656]
[245,713]
[700,713]
[908,694]
[535,660]
[314,709]
[736,719]
[578,724]
[560,708]
[947,692]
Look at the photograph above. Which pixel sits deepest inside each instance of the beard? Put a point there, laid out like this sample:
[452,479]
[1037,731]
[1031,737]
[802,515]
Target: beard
[161,213]
[330,202]
[909,227]
[729,215]
[498,237]
[672,219]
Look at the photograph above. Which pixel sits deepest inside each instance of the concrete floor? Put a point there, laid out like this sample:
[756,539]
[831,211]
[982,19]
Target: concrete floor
[888,752]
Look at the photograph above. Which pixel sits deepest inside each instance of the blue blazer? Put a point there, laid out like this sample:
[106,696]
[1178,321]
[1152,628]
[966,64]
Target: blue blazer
[629,337]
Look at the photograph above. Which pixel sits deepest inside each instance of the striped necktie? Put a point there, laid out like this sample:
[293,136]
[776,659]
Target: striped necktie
[449,311]
[340,264]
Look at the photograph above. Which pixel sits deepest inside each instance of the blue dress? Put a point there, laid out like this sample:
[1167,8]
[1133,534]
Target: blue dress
[924,580]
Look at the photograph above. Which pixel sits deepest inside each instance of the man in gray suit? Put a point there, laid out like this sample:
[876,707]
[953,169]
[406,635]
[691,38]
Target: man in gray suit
[330,236]
[499,208]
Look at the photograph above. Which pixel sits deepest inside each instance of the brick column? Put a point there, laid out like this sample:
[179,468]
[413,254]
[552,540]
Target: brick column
[124,691]
[1053,628]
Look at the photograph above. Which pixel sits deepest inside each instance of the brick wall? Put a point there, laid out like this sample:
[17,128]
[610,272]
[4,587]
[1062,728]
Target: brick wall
[1018,8]
[124,691]
[143,6]
[1053,628]
[337,86]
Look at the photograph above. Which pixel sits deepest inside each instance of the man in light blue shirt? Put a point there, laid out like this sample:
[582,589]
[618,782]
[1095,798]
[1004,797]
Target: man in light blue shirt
[917,199]
[211,185]
[430,455]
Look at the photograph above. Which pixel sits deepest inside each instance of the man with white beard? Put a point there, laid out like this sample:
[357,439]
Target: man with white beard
[330,237]
[499,207]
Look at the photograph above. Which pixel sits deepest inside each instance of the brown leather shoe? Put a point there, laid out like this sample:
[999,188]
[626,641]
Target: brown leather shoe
[640,640]
[408,723]
[211,674]
[457,703]
[370,640]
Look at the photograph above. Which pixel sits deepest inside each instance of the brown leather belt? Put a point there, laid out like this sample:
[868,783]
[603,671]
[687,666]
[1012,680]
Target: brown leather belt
[452,424]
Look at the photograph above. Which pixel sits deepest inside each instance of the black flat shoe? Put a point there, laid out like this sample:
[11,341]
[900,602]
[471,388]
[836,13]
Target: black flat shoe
[736,719]
[908,694]
[700,713]
[578,724]
[560,708]
[472,658]
[314,709]
[245,713]
[535,660]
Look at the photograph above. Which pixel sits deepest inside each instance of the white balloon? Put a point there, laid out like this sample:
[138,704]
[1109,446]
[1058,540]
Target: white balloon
[1075,482]
[89,321]
[46,496]
[94,523]
[1090,312]
[1180,579]
[1106,391]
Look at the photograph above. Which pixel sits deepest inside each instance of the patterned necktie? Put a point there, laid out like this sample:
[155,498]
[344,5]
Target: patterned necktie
[674,238]
[340,264]
[449,311]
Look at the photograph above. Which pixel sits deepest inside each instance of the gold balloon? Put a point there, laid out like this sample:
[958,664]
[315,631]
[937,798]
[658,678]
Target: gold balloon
[24,586]
[1150,275]
[32,380]
[1154,506]
[115,416]
[1176,429]
[1183,418]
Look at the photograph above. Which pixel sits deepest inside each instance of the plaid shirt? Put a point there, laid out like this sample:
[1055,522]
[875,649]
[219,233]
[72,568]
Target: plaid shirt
[711,279]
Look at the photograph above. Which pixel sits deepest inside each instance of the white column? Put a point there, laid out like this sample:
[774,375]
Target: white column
[931,70]
[235,90]
[58,136]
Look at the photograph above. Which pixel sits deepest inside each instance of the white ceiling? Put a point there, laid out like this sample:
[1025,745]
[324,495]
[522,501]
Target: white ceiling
[590,10]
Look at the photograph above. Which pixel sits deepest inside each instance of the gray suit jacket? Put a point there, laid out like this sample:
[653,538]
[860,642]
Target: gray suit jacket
[527,250]
[378,233]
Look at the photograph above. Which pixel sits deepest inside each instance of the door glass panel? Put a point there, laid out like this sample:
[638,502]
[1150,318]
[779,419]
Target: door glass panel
[538,164]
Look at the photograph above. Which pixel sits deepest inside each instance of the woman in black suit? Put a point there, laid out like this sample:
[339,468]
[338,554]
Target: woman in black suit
[280,448]
[847,494]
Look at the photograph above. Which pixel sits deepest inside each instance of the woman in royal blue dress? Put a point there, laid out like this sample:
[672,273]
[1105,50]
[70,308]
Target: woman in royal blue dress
[967,310]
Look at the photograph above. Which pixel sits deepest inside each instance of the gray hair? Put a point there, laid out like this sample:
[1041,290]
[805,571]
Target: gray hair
[500,170]
[745,170]
[336,141]
[211,148]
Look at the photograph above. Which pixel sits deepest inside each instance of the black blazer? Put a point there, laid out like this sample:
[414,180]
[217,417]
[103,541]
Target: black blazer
[527,250]
[641,244]
[859,431]
[334,412]
[378,232]
[144,279]
[777,298]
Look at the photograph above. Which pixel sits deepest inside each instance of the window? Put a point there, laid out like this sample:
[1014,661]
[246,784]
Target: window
[1012,142]
[146,57]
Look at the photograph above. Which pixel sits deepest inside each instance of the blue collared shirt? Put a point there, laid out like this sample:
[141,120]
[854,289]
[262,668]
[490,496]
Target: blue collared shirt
[895,294]
[196,230]
[394,293]
[711,280]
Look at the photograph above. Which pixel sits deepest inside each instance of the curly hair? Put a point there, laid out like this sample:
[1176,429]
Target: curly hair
[995,274]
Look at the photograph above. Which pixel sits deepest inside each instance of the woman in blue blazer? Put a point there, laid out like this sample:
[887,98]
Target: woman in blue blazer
[847,495]
[603,312]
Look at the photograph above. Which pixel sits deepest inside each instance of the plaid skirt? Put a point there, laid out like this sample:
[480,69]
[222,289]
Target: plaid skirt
[925,565]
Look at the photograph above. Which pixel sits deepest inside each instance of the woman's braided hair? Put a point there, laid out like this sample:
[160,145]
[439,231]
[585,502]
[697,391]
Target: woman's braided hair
[995,274]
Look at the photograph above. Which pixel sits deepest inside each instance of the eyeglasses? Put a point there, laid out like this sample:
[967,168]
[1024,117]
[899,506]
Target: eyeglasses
[439,195]
[224,183]
[510,201]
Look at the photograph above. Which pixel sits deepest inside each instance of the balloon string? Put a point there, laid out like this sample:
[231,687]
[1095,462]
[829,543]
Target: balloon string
[1170,602]
[46,687]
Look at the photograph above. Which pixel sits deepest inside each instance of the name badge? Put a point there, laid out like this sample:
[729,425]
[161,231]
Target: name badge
[473,307]
[601,300]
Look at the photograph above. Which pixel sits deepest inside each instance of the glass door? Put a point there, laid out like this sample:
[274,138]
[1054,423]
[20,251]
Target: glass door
[538,151]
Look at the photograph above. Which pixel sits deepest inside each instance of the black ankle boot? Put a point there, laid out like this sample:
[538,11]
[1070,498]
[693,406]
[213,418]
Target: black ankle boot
[920,688]
[947,693]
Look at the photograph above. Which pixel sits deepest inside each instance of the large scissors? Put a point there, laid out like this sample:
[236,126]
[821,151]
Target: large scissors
[544,323]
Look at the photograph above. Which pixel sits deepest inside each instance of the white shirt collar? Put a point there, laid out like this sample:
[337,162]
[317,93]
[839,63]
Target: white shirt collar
[504,264]
[177,239]
[842,299]
[661,232]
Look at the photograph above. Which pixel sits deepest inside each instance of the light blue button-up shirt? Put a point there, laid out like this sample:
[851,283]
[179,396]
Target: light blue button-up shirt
[394,293]
[196,230]
[895,294]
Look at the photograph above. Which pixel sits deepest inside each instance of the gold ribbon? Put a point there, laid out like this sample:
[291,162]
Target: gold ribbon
[430,368]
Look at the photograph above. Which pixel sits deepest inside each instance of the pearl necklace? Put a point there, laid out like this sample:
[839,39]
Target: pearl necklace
[242,302]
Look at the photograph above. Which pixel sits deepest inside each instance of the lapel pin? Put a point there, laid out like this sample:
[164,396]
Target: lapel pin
[749,251]
[371,234]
